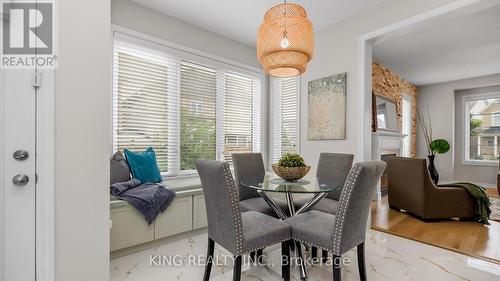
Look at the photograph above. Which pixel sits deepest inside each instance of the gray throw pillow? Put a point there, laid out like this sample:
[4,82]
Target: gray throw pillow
[119,169]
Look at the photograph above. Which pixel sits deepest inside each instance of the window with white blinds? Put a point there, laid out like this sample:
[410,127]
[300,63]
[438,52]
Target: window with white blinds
[141,102]
[241,113]
[198,114]
[184,109]
[285,116]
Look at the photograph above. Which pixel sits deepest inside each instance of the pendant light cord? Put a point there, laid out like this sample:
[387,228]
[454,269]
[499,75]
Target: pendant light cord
[284,14]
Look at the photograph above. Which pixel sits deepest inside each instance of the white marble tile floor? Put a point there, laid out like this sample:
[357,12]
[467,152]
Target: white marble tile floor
[387,258]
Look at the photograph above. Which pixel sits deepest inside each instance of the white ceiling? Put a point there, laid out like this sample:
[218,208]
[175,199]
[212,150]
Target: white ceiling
[460,45]
[240,19]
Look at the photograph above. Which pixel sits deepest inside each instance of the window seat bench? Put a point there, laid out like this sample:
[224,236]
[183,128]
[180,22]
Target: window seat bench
[187,212]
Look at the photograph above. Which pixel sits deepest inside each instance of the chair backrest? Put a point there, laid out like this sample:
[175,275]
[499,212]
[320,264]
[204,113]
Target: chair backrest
[221,200]
[333,169]
[248,168]
[350,224]
[409,184]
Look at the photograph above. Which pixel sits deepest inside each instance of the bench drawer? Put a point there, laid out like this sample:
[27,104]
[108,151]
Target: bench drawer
[129,228]
[199,212]
[176,219]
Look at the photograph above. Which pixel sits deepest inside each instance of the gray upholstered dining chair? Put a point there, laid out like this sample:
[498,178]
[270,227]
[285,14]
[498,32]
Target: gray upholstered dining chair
[249,168]
[333,169]
[239,233]
[340,232]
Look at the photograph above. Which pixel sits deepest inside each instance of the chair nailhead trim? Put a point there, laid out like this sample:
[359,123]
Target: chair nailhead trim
[344,201]
[236,209]
[265,246]
[312,244]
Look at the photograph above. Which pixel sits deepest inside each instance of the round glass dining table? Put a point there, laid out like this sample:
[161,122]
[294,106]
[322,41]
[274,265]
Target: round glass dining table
[307,185]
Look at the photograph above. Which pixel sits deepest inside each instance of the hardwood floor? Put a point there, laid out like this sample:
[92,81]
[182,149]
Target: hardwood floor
[470,238]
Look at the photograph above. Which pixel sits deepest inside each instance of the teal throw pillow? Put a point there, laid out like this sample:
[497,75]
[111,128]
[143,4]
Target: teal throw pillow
[143,165]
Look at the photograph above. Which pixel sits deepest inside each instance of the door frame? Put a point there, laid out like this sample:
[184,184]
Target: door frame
[2,145]
[45,200]
[365,43]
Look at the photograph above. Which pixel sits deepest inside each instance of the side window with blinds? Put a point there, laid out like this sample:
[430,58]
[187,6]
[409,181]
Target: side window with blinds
[183,109]
[140,101]
[285,111]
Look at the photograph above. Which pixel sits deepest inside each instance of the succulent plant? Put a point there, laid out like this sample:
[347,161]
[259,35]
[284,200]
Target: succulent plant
[291,160]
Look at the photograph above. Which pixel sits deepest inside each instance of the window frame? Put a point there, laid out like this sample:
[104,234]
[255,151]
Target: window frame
[466,125]
[182,53]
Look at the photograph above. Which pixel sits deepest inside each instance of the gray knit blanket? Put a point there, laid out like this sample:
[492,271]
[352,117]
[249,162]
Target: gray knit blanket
[151,199]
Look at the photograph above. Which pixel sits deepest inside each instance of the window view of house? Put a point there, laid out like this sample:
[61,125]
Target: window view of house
[484,129]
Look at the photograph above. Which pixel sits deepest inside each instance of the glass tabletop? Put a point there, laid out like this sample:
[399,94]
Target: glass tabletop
[305,185]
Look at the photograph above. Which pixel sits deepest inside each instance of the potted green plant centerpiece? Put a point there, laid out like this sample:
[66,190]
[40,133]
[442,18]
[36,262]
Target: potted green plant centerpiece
[291,167]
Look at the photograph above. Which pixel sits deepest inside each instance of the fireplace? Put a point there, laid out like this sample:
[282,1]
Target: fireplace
[384,180]
[384,146]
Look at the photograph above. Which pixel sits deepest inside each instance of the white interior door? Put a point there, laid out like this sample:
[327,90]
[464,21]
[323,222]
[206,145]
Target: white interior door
[17,171]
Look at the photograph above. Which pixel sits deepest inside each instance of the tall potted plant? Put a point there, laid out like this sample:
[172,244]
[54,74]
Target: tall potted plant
[437,146]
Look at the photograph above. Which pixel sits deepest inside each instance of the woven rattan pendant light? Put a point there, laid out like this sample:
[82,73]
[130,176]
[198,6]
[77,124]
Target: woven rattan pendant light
[285,41]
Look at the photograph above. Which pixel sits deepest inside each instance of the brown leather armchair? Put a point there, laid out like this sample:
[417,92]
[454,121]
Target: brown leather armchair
[411,189]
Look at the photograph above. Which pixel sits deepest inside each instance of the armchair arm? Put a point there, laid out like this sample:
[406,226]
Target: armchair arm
[450,199]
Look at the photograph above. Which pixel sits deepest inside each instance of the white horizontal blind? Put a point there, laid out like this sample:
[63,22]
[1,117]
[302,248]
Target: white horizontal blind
[141,101]
[284,102]
[198,115]
[184,109]
[239,103]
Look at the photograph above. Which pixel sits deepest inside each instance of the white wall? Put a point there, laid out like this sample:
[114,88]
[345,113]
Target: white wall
[441,101]
[336,51]
[131,15]
[82,140]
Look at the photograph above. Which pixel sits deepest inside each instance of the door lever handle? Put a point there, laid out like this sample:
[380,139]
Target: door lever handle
[20,180]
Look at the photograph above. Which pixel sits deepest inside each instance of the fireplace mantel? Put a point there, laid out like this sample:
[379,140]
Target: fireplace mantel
[384,142]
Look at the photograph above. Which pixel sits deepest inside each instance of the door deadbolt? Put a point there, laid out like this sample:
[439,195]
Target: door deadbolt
[20,180]
[20,155]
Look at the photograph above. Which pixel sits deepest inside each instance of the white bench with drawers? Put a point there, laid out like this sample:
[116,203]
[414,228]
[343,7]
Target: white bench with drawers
[187,212]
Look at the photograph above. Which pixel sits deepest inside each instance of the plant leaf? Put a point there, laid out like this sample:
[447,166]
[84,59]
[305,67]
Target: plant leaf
[440,146]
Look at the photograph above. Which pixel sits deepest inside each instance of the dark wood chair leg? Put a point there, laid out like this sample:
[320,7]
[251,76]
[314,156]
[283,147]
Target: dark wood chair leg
[252,256]
[259,255]
[285,260]
[361,261]
[337,268]
[314,252]
[237,269]
[324,254]
[210,256]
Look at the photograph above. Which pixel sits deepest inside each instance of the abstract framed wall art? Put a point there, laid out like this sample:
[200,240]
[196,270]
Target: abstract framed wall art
[327,108]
